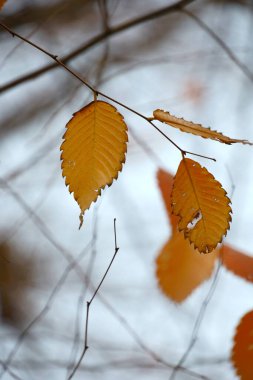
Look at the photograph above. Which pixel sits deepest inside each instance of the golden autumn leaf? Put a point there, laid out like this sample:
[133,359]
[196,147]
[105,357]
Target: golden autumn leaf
[165,183]
[195,129]
[201,204]
[180,268]
[242,353]
[238,263]
[2,3]
[93,151]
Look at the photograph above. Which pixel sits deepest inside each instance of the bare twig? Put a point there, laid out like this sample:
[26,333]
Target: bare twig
[21,222]
[42,152]
[221,43]
[68,257]
[44,310]
[151,154]
[44,21]
[95,40]
[116,249]
[97,92]
[197,324]
[84,290]
[231,181]
[11,373]
[102,4]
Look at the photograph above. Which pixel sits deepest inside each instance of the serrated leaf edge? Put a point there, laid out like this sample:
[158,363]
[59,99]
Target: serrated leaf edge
[122,161]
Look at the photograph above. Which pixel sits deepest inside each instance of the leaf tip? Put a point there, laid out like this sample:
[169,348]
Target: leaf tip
[89,163]
[81,219]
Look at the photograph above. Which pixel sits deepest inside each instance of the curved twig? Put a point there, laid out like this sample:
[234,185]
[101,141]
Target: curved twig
[94,41]
[97,92]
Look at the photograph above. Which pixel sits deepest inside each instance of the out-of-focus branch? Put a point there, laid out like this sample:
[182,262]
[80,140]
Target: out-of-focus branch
[96,92]
[73,264]
[197,323]
[96,40]
[11,373]
[221,43]
[33,12]
[44,310]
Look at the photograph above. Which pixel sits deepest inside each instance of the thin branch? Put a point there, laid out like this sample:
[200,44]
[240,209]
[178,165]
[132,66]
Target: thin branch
[43,311]
[37,221]
[84,291]
[97,92]
[43,22]
[68,257]
[11,373]
[231,181]
[221,43]
[95,40]
[151,154]
[129,362]
[102,5]
[21,222]
[197,324]
[116,249]
[144,347]
[43,151]
[210,361]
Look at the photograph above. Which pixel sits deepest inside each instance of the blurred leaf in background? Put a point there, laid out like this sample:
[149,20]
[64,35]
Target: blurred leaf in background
[17,278]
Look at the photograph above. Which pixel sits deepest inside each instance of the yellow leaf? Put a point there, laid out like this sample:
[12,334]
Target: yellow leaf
[2,3]
[195,129]
[201,204]
[238,263]
[93,151]
[242,353]
[180,268]
[235,261]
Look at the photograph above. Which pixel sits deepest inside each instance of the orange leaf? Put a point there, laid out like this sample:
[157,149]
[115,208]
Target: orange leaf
[202,205]
[165,183]
[242,353]
[93,151]
[238,263]
[195,129]
[180,268]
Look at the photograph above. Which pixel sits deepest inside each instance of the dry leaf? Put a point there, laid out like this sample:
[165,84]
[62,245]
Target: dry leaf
[93,151]
[165,183]
[2,3]
[195,129]
[202,205]
[238,263]
[180,268]
[242,353]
